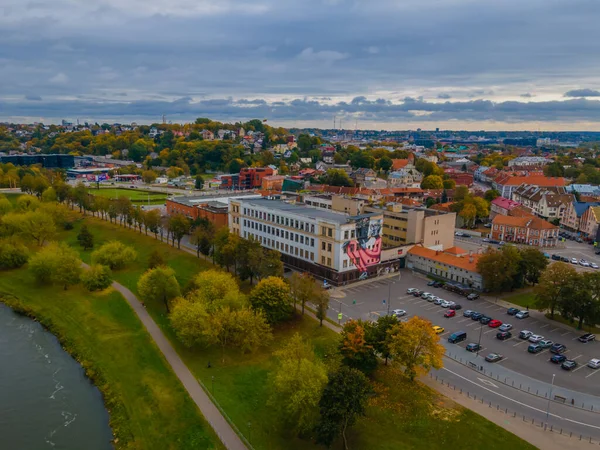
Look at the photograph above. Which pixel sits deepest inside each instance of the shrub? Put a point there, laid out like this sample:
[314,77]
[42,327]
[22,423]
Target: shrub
[12,255]
[115,255]
[56,263]
[97,278]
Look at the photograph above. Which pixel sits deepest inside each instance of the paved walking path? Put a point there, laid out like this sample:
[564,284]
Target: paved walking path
[228,437]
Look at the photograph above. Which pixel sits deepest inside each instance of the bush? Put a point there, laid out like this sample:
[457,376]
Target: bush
[12,255]
[56,263]
[97,278]
[115,255]
[156,259]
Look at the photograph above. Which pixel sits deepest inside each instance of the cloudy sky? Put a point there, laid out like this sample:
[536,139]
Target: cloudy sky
[395,64]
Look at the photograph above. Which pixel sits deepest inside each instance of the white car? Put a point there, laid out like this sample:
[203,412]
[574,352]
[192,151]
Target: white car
[459,233]
[426,295]
[411,290]
[534,339]
[486,239]
[432,298]
[584,263]
[594,363]
[574,261]
[399,312]
[522,315]
[593,265]
[446,304]
[505,327]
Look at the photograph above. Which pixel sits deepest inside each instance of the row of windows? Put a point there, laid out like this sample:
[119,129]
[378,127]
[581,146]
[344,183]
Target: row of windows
[280,246]
[295,237]
[280,220]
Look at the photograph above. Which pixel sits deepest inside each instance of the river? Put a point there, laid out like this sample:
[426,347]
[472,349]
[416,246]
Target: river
[46,401]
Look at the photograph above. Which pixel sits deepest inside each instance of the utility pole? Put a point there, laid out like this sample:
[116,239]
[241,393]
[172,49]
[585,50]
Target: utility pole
[479,342]
[550,396]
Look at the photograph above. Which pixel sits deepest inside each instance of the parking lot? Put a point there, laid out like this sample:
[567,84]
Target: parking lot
[370,300]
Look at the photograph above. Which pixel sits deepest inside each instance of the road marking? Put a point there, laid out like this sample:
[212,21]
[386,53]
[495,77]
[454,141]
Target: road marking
[490,331]
[520,343]
[520,403]
[534,321]
[542,352]
[578,356]
[575,338]
[544,326]
[474,323]
[464,320]
[568,332]
[499,308]
[488,382]
[581,366]
[594,372]
[552,331]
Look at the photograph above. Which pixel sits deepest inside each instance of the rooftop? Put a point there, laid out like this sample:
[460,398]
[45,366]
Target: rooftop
[523,222]
[204,199]
[505,203]
[468,263]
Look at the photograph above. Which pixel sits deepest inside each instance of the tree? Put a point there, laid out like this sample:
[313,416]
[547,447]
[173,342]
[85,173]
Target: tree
[582,301]
[355,350]
[415,346]
[533,263]
[12,254]
[461,193]
[201,238]
[85,238]
[148,176]
[198,182]
[432,182]
[96,278]
[554,169]
[321,302]
[159,284]
[5,205]
[343,400]
[362,159]
[178,226]
[49,195]
[189,320]
[482,207]
[156,259]
[152,221]
[499,269]
[27,203]
[115,255]
[378,336]
[35,225]
[491,194]
[337,177]
[553,286]
[56,263]
[468,213]
[449,184]
[297,384]
[385,163]
[272,296]
[216,289]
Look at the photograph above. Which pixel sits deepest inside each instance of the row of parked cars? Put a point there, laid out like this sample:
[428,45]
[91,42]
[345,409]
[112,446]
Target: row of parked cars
[581,262]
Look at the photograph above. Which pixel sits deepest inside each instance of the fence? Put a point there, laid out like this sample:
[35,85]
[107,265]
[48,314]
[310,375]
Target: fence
[530,420]
[520,387]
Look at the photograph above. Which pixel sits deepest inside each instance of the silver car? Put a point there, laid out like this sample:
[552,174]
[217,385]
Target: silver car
[505,327]
[535,338]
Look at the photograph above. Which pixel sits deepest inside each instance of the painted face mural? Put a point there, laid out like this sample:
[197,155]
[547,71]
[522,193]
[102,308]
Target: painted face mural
[365,250]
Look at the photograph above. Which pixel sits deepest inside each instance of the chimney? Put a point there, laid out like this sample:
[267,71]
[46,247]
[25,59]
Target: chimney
[471,259]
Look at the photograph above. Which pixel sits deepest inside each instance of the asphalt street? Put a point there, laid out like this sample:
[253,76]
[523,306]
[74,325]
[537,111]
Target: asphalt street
[370,300]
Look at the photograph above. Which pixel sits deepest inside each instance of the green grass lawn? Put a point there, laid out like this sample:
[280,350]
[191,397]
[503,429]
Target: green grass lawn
[135,195]
[148,406]
[397,419]
[524,299]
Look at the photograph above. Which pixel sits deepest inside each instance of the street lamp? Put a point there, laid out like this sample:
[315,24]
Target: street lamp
[390,295]
[479,342]
[550,396]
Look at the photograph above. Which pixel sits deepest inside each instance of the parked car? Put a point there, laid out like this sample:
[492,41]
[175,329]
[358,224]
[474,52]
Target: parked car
[534,348]
[457,337]
[438,284]
[546,343]
[512,311]
[473,296]
[485,320]
[417,293]
[431,283]
[594,363]
[432,298]
[584,263]
[557,348]
[399,312]
[425,295]
[472,347]
[494,323]
[573,260]
[456,307]
[503,335]
[467,313]
[564,259]
[522,315]
[556,257]
[535,338]
[493,357]
[505,327]
[438,301]
[593,265]
[558,359]
[450,313]
[589,337]
[569,364]
[411,290]
[446,304]
[438,330]
[476,315]
[525,334]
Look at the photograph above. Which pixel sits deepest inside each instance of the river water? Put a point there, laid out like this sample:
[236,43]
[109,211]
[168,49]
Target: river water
[46,402]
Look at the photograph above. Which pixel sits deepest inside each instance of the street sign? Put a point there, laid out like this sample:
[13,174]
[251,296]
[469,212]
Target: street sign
[383,301]
[339,316]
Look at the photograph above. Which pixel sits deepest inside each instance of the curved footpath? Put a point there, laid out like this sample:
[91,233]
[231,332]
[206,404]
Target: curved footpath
[226,434]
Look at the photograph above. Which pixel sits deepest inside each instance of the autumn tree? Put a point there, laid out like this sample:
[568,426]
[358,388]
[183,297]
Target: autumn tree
[26,203]
[56,263]
[272,296]
[96,278]
[5,205]
[297,385]
[432,182]
[156,259]
[554,286]
[303,288]
[178,225]
[31,225]
[13,254]
[343,401]
[158,284]
[498,269]
[115,255]
[354,348]
[216,289]
[152,222]
[468,214]
[321,302]
[415,347]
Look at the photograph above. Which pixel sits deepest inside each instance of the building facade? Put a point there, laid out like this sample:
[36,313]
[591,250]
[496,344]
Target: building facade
[589,221]
[528,230]
[338,247]
[574,213]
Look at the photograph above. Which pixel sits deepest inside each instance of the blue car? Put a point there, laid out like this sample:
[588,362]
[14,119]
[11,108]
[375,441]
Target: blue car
[558,359]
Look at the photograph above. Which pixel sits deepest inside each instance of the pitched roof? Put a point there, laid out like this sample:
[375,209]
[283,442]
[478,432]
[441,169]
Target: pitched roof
[462,262]
[505,203]
[581,207]
[523,222]
[456,251]
[531,179]
[399,163]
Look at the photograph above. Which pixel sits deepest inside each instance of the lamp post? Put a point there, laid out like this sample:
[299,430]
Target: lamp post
[550,396]
[479,342]
[390,295]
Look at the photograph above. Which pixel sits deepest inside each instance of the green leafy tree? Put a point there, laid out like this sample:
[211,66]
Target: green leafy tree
[178,226]
[337,177]
[449,184]
[461,193]
[85,238]
[321,302]
[468,214]
[533,263]
[272,296]
[27,203]
[115,255]
[216,290]
[156,259]
[159,284]
[498,271]
[56,263]
[378,335]
[583,302]
[31,225]
[343,401]
[12,254]
[5,205]
[385,163]
[96,278]
[491,194]
[432,182]
[553,286]
[297,385]
[49,195]
[354,348]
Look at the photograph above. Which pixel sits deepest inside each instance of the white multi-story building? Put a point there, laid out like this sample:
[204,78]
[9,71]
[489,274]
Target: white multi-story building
[332,245]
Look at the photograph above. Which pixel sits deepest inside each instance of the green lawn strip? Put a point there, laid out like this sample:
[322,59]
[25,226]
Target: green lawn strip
[524,299]
[135,195]
[573,324]
[12,196]
[148,406]
[241,384]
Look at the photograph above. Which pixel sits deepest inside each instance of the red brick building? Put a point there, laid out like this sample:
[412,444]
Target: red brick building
[248,178]
[461,178]
[529,230]
[215,212]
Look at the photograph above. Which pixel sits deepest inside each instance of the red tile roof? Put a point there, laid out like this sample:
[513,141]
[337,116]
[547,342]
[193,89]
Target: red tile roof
[462,262]
[523,222]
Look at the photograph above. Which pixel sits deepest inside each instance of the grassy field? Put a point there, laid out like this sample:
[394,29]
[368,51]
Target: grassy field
[397,419]
[148,406]
[138,196]
[524,299]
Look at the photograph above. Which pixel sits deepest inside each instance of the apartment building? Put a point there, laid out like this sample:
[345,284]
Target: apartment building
[339,203]
[574,213]
[248,178]
[589,221]
[331,245]
[546,202]
[506,183]
[529,230]
[404,225]
[212,208]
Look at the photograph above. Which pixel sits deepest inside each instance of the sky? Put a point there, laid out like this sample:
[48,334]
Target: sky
[371,64]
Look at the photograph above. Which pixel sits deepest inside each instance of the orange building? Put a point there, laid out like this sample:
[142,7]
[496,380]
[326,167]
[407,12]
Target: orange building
[215,212]
[528,229]
[273,183]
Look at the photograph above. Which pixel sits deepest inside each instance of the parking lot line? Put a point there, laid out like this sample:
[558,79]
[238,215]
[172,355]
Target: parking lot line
[490,331]
[534,321]
[594,372]
[578,356]
[420,301]
[580,367]
[519,343]
[552,331]
[474,323]
[544,326]
[575,338]
[498,309]
[542,352]
[464,320]
[568,332]
[431,307]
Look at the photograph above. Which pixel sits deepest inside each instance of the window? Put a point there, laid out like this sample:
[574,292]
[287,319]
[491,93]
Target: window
[329,261]
[345,264]
[329,232]
[323,260]
[352,234]
[324,231]
[302,239]
[328,247]
[346,235]
[322,245]
[312,256]
[312,242]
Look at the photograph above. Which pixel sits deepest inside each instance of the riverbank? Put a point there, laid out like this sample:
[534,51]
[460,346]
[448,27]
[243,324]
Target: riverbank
[148,407]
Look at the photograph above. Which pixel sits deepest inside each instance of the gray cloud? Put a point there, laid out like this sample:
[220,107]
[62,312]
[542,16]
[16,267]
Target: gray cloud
[33,98]
[582,93]
[444,96]
[526,95]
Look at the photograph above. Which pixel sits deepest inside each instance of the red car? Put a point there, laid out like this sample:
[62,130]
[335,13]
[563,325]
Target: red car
[450,313]
[494,323]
